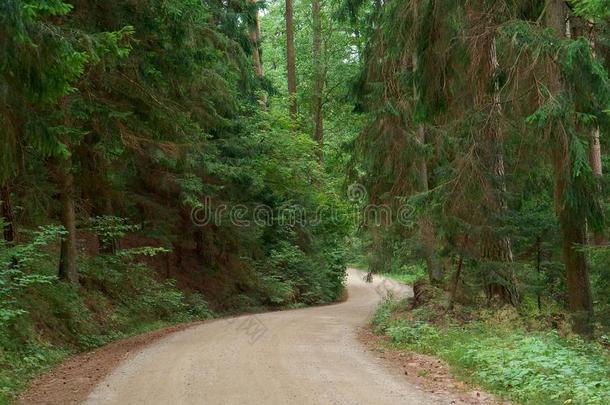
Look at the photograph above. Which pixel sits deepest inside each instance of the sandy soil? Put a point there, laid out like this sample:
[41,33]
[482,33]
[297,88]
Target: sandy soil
[305,356]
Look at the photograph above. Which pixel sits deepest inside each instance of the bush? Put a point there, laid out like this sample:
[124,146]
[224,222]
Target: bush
[383,315]
[532,368]
[45,320]
[541,368]
[418,335]
[408,273]
[292,277]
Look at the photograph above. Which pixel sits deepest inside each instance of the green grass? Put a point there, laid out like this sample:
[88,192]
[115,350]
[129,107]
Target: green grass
[530,368]
[115,300]
[20,366]
[407,274]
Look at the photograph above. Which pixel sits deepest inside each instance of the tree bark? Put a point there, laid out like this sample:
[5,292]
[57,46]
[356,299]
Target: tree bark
[494,248]
[595,160]
[427,230]
[64,178]
[319,78]
[539,269]
[9,231]
[572,224]
[433,263]
[455,283]
[580,298]
[595,153]
[290,61]
[255,37]
[595,157]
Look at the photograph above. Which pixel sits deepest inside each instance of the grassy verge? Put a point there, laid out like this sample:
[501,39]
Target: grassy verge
[116,299]
[497,353]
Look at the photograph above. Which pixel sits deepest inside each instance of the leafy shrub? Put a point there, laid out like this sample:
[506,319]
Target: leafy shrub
[290,276]
[541,368]
[536,367]
[418,335]
[198,307]
[16,367]
[383,315]
[109,229]
[408,273]
[14,277]
[117,297]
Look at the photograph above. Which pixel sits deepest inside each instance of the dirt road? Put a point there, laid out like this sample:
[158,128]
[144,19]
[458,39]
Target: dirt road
[303,356]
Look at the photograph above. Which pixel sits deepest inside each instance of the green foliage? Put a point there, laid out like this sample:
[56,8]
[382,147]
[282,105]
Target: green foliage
[383,315]
[541,368]
[536,368]
[419,335]
[480,118]
[109,228]
[15,279]
[408,273]
[18,367]
[591,8]
[153,107]
[118,298]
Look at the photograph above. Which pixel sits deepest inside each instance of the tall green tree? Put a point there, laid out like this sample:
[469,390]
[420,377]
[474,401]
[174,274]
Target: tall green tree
[319,77]
[291,59]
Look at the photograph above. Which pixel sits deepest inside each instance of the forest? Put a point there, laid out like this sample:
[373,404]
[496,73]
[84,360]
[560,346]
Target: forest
[171,161]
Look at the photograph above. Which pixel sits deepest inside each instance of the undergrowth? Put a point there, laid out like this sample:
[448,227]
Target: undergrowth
[407,274]
[539,367]
[43,320]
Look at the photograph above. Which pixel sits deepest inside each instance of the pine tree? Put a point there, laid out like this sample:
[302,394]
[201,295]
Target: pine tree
[291,60]
[318,77]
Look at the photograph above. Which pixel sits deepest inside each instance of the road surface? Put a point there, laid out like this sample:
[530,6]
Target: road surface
[303,356]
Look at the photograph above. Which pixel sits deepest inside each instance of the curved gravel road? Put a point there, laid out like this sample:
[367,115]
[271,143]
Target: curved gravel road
[303,356]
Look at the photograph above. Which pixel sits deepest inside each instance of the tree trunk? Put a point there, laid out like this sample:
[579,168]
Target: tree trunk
[433,263]
[319,78]
[595,156]
[595,153]
[494,248]
[539,270]
[595,160]
[580,298]
[572,224]
[290,60]
[427,230]
[65,182]
[595,150]
[255,37]
[455,283]
[9,231]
